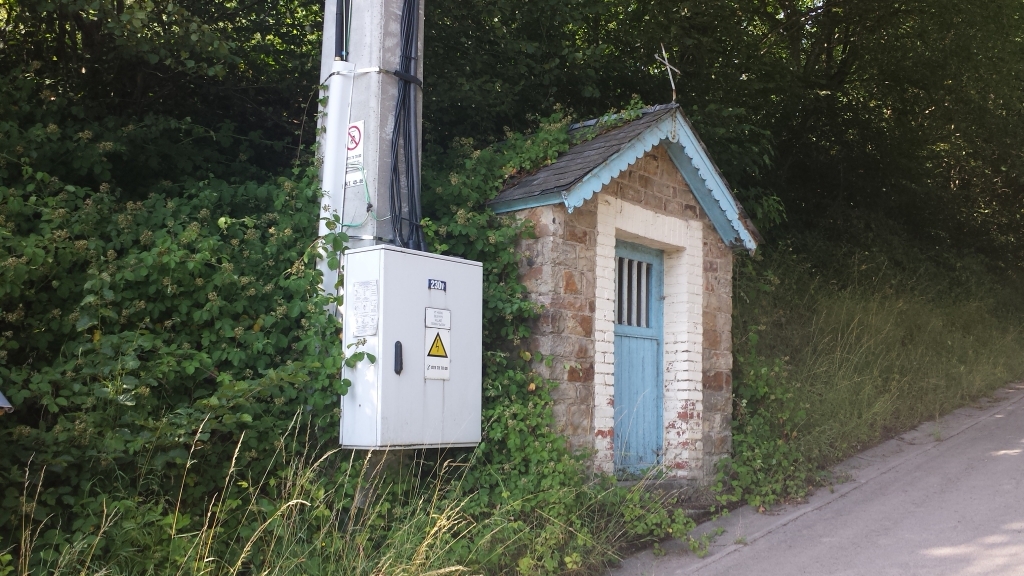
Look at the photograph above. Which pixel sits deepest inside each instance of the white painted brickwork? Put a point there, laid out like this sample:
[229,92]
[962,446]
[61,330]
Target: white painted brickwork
[682,242]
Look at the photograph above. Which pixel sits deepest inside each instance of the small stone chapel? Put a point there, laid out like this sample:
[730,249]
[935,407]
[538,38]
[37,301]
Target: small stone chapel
[632,261]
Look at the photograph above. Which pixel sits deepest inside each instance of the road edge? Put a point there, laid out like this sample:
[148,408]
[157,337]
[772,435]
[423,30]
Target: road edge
[843,490]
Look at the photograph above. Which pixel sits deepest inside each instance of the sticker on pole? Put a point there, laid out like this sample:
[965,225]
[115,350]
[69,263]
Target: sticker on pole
[354,158]
[438,362]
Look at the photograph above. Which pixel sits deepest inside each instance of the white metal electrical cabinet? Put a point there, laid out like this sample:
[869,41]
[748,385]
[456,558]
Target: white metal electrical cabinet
[421,315]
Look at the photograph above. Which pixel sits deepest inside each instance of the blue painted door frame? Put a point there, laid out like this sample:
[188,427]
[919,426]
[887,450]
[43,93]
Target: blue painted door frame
[639,348]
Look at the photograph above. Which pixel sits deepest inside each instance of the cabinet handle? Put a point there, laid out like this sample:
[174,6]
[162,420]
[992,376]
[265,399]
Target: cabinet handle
[398,357]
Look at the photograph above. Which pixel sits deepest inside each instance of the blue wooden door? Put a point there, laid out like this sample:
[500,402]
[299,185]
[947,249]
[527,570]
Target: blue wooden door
[639,390]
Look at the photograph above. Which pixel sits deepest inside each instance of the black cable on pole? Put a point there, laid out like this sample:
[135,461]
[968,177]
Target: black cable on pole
[342,29]
[405,149]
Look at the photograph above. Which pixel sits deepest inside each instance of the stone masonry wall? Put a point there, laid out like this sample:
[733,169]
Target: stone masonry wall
[560,271]
[717,364]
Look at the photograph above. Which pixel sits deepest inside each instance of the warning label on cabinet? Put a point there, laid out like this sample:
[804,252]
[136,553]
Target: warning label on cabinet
[364,308]
[437,348]
[438,361]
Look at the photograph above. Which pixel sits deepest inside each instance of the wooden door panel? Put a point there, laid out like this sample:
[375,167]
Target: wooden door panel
[639,392]
[638,403]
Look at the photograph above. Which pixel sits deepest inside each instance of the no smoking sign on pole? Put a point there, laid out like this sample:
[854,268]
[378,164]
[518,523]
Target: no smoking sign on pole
[355,136]
[354,158]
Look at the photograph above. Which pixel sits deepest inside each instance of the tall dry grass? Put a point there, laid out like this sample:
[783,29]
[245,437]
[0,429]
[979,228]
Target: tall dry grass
[879,342]
[340,513]
[876,365]
[297,519]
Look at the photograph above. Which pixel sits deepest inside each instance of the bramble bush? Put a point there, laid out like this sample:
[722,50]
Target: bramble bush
[765,465]
[130,327]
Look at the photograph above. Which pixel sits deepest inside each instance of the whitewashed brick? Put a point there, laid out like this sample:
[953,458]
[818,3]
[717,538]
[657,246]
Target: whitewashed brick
[683,305]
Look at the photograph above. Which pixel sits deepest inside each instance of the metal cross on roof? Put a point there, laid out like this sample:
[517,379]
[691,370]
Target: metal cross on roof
[663,59]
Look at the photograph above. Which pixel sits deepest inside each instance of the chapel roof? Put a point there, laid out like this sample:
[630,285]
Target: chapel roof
[576,175]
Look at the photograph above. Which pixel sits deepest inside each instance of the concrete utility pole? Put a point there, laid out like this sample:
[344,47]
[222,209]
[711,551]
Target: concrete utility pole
[363,73]
[419,314]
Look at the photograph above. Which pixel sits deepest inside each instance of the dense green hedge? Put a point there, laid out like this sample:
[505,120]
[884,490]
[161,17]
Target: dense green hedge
[129,328]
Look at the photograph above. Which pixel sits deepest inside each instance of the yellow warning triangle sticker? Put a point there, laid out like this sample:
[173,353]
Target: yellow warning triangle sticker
[437,348]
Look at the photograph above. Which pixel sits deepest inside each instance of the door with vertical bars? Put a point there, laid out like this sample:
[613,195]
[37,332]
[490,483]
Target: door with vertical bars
[639,391]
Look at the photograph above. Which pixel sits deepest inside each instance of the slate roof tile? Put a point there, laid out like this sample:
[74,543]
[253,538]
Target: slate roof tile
[582,158]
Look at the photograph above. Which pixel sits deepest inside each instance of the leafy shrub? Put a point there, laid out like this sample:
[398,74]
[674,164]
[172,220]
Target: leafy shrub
[766,464]
[460,223]
[129,328]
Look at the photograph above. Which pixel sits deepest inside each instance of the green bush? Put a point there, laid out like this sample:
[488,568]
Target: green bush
[766,464]
[129,328]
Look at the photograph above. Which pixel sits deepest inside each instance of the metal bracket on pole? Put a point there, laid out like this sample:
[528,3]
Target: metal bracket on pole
[375,70]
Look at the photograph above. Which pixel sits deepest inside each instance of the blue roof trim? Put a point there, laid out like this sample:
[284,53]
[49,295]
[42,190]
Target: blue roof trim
[690,158]
[526,203]
[705,196]
[599,177]
[708,177]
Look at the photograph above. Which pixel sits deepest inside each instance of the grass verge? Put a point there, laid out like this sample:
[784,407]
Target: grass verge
[840,347]
[346,513]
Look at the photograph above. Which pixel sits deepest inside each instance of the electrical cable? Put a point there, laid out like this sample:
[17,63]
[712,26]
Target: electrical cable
[405,152]
[343,33]
[342,29]
[369,205]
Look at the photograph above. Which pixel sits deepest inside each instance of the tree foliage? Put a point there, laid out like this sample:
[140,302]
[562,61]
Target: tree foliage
[909,109]
[138,92]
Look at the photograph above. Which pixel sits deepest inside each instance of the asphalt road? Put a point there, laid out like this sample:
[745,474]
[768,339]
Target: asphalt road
[945,499]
